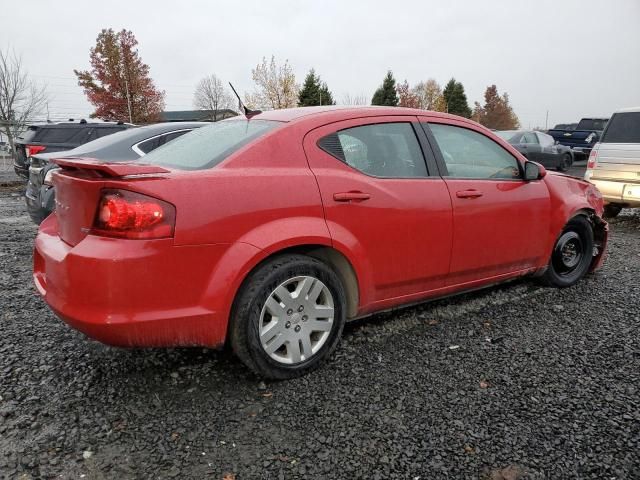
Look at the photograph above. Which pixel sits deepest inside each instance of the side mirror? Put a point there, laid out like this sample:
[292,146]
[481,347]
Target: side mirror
[533,171]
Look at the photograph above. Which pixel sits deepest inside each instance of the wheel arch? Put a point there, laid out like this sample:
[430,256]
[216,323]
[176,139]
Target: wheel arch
[600,233]
[327,254]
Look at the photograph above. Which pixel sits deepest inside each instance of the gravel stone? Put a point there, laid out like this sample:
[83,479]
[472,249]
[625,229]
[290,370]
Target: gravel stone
[560,396]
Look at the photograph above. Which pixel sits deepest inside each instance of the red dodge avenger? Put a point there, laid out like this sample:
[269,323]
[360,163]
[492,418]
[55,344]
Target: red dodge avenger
[270,231]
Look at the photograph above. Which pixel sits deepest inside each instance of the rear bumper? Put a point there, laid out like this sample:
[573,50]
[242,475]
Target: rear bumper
[132,293]
[21,170]
[581,151]
[617,191]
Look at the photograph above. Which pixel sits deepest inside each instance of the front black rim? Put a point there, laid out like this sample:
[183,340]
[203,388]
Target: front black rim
[568,253]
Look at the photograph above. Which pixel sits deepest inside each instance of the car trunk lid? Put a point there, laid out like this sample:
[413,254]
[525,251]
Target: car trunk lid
[78,186]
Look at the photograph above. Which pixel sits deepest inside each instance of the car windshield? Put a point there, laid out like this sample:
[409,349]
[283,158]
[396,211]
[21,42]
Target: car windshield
[208,146]
[507,134]
[591,124]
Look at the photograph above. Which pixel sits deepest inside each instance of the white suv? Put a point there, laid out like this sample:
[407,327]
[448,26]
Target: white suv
[614,163]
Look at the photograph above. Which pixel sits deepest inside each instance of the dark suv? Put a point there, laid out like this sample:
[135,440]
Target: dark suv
[56,137]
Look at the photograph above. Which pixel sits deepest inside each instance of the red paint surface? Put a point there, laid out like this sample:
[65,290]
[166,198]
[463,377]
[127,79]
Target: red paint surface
[406,239]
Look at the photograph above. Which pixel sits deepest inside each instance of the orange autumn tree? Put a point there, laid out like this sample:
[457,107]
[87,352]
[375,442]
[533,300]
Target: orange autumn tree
[118,84]
[496,113]
[407,96]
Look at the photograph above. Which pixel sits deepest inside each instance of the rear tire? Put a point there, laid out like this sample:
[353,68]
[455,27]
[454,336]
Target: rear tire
[611,210]
[565,162]
[572,254]
[288,317]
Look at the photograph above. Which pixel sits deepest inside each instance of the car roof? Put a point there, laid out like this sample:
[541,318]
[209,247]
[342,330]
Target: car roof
[628,110]
[339,112]
[118,145]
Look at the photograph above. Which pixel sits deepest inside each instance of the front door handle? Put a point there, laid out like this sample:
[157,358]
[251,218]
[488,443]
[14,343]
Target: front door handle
[351,196]
[469,194]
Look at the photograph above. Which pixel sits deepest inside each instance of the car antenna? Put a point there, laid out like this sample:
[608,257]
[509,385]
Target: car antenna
[247,112]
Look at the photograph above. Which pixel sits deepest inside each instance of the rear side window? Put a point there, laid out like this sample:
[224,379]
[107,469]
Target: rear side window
[207,146]
[389,150]
[591,124]
[469,154]
[623,128]
[546,140]
[149,145]
[173,135]
[103,132]
[64,135]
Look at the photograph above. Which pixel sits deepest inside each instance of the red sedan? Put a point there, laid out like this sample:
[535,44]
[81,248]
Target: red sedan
[270,232]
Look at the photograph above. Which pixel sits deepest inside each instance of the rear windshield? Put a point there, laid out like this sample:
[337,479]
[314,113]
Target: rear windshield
[208,146]
[591,124]
[623,128]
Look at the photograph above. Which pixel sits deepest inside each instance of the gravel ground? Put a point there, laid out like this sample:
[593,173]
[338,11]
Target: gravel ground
[513,382]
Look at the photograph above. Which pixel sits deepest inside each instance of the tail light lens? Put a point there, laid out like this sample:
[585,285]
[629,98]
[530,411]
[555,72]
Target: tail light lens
[125,214]
[34,149]
[593,158]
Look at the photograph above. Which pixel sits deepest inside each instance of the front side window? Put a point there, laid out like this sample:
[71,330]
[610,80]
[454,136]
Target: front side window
[389,150]
[469,154]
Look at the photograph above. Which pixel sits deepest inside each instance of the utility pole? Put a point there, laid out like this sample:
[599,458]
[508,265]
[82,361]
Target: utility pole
[546,121]
[320,97]
[126,84]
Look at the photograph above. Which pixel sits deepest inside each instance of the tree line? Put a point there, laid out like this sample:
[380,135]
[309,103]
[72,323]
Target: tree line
[120,88]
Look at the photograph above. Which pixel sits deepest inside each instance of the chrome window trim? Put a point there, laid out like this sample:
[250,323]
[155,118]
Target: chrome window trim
[136,147]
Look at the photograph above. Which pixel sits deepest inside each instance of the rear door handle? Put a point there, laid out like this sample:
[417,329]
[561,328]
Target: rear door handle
[469,194]
[350,196]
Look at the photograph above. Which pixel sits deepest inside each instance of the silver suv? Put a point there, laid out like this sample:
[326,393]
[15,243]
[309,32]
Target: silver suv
[614,163]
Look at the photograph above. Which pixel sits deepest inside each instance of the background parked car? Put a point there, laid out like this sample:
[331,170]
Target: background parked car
[539,147]
[582,138]
[121,147]
[57,137]
[565,126]
[614,164]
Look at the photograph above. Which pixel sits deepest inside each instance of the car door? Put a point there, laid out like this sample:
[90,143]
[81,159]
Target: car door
[531,146]
[549,155]
[500,221]
[381,202]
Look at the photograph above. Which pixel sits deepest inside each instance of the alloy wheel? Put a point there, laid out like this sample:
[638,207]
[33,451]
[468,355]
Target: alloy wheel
[296,320]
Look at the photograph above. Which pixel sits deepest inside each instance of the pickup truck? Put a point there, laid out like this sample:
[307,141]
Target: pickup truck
[581,139]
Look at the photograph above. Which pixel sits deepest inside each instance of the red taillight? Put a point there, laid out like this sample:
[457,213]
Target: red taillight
[593,158]
[34,149]
[126,214]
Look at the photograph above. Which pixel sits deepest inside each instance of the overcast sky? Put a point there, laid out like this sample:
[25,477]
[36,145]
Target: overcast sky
[572,58]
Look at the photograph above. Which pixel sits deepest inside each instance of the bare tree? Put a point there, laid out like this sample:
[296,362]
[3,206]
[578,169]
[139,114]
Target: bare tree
[276,86]
[430,95]
[20,98]
[211,95]
[361,99]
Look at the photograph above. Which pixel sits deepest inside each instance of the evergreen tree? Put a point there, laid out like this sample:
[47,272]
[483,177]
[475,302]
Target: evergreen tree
[325,95]
[386,94]
[314,92]
[455,99]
